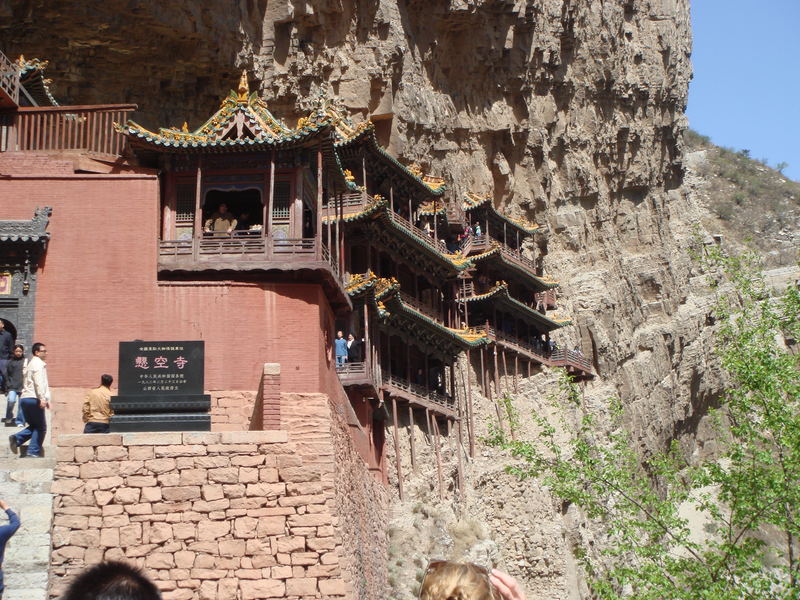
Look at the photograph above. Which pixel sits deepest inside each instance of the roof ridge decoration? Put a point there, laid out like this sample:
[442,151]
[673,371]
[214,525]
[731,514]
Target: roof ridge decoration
[473,200]
[243,119]
[30,69]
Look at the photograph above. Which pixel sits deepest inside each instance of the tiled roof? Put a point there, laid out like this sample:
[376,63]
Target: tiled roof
[471,201]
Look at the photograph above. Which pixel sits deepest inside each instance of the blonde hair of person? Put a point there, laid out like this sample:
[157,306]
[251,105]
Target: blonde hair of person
[446,580]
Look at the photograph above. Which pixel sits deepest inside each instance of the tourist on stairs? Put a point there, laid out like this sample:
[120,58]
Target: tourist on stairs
[35,399]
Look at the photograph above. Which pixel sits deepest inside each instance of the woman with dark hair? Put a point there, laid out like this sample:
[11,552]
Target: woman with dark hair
[112,581]
[15,368]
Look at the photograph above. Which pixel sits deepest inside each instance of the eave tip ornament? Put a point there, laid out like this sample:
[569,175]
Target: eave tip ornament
[244,87]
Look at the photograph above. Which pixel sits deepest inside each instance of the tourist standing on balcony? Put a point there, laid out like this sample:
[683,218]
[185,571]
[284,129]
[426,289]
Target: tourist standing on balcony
[341,348]
[14,373]
[6,531]
[35,399]
[353,349]
[97,407]
[221,221]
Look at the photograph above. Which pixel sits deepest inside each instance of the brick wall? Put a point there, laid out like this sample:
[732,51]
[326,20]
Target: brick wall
[261,514]
[98,285]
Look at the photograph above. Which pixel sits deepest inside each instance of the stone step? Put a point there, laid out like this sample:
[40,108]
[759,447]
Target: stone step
[25,485]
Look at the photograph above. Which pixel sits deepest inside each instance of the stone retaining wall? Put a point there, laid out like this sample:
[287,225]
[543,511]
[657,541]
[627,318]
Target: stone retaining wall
[247,514]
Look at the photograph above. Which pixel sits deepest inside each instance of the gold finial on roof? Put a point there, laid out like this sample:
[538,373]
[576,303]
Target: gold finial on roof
[244,86]
[415,169]
[348,175]
[185,127]
[21,60]
[302,122]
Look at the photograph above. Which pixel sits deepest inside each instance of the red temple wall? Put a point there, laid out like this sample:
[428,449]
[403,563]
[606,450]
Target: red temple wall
[98,286]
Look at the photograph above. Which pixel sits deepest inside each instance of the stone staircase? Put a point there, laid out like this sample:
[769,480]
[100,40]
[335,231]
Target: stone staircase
[25,486]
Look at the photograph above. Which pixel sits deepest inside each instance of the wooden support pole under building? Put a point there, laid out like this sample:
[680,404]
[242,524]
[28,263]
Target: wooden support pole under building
[496,373]
[460,460]
[469,407]
[428,426]
[438,457]
[529,367]
[505,237]
[397,449]
[411,437]
[391,197]
[318,228]
[505,369]
[271,197]
[483,371]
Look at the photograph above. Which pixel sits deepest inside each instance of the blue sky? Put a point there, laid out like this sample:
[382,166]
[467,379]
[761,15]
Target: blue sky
[746,87]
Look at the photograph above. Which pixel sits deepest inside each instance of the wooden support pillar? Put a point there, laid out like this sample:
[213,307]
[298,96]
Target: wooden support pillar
[198,194]
[529,367]
[496,373]
[505,237]
[410,216]
[438,457]
[411,437]
[364,173]
[460,460]
[435,226]
[338,228]
[318,228]
[505,368]
[391,197]
[469,407]
[397,450]
[270,196]
[483,371]
[516,372]
[428,426]
[343,265]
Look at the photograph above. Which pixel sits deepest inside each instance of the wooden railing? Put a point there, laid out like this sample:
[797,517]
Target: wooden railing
[87,128]
[348,204]
[547,298]
[9,79]
[420,307]
[573,358]
[419,233]
[244,248]
[516,343]
[483,242]
[418,391]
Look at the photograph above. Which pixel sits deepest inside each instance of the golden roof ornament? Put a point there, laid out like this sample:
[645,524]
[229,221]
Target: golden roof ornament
[415,170]
[244,87]
[185,128]
[348,175]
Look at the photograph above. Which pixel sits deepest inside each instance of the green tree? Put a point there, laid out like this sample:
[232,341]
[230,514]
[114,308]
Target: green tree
[747,497]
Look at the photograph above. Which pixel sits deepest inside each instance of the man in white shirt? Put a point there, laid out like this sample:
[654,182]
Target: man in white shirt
[34,399]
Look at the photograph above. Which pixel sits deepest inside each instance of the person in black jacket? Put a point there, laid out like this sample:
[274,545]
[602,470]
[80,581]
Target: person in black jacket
[13,380]
[6,342]
[353,349]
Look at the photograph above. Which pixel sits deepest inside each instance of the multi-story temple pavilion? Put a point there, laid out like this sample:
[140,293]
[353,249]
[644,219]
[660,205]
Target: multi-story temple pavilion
[264,240]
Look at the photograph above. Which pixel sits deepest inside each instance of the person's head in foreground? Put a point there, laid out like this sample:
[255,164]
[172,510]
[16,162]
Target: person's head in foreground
[446,580]
[112,581]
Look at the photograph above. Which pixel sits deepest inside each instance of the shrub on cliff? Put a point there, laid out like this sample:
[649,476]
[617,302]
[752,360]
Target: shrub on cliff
[726,528]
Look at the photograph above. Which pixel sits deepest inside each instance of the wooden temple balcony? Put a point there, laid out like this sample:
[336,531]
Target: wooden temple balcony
[573,361]
[419,395]
[421,307]
[547,299]
[476,244]
[9,83]
[426,238]
[245,253]
[360,375]
[519,346]
[58,128]
[348,204]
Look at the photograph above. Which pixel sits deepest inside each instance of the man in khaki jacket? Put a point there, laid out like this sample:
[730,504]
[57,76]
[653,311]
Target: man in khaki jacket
[34,399]
[97,407]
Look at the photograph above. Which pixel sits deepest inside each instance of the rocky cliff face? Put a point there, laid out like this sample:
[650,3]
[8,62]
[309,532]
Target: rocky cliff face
[570,112]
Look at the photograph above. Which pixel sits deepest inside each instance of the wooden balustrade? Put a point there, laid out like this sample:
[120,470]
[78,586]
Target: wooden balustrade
[9,81]
[419,233]
[244,249]
[572,358]
[420,394]
[86,128]
[420,307]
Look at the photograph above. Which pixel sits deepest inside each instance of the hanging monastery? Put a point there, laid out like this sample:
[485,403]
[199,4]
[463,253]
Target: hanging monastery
[104,238]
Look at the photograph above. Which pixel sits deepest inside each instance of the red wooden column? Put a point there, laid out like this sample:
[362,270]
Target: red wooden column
[318,228]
